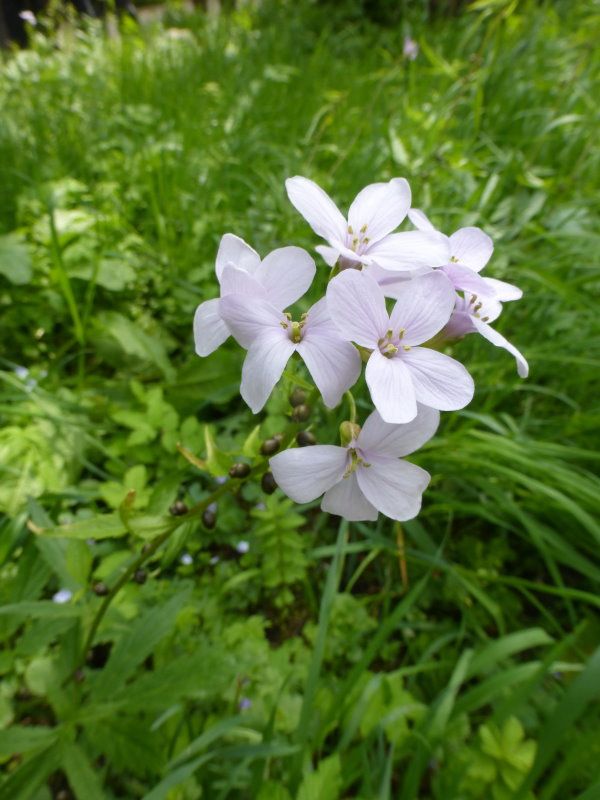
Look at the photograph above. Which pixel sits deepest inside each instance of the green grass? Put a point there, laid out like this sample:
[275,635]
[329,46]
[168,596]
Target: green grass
[122,162]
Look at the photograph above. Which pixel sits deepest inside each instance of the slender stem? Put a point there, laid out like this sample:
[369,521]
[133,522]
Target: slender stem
[402,556]
[352,404]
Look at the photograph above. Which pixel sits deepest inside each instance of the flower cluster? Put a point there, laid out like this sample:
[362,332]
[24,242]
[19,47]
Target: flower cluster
[393,300]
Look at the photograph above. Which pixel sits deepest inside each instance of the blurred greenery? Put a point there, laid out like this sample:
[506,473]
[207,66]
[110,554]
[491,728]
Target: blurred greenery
[263,650]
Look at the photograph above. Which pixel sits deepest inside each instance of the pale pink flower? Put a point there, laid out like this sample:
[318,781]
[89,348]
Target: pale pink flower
[473,315]
[364,477]
[410,49]
[271,337]
[468,250]
[281,278]
[366,236]
[399,373]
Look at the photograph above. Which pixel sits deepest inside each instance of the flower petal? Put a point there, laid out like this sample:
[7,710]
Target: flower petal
[466,280]
[347,500]
[379,438]
[210,331]
[504,291]
[357,307]
[410,250]
[247,318]
[317,208]
[496,338]
[263,366]
[439,381]
[471,247]
[391,388]
[394,487]
[235,280]
[420,220]
[423,307]
[333,363]
[329,254]
[286,275]
[233,250]
[379,208]
[305,473]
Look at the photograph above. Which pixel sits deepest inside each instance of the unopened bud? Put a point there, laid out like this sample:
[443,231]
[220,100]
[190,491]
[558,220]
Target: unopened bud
[209,519]
[297,397]
[178,509]
[305,438]
[269,447]
[348,432]
[239,470]
[140,576]
[100,588]
[301,413]
[267,483]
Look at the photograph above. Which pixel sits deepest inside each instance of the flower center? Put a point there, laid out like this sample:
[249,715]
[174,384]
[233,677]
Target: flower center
[294,329]
[474,308]
[356,461]
[358,242]
[390,344]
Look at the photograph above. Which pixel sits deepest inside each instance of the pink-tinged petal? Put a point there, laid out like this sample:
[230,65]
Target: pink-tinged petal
[496,338]
[471,247]
[235,280]
[488,309]
[420,220]
[410,250]
[286,275]
[423,307]
[357,307]
[464,279]
[379,208]
[306,473]
[233,250]
[248,318]
[394,487]
[346,500]
[459,325]
[317,208]
[329,254]
[439,381]
[263,366]
[209,329]
[504,291]
[379,438]
[391,388]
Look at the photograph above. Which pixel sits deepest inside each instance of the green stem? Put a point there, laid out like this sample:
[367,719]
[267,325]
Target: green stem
[352,404]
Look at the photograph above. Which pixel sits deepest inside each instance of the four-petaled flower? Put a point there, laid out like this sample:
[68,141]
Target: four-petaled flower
[399,373]
[473,315]
[366,236]
[270,336]
[367,475]
[281,278]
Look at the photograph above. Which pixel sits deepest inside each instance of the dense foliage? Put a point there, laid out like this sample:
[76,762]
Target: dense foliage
[261,649]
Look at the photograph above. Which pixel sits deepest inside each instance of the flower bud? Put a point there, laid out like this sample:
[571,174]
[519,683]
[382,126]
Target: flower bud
[297,397]
[305,438]
[178,509]
[140,576]
[267,483]
[348,432]
[301,413]
[239,470]
[209,518]
[100,588]
[270,447]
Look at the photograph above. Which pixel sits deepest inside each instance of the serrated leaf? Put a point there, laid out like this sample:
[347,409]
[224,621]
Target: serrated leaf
[21,739]
[107,526]
[83,779]
[15,261]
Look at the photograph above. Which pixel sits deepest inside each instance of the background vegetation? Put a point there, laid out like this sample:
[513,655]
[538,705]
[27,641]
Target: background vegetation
[277,654]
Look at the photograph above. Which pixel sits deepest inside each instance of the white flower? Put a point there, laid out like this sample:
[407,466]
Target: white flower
[366,236]
[473,315]
[398,372]
[62,596]
[270,336]
[364,477]
[282,277]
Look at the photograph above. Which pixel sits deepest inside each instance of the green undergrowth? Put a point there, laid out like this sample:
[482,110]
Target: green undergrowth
[263,650]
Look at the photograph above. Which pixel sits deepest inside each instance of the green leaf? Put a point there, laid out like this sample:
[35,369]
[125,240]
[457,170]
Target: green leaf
[15,261]
[19,739]
[24,782]
[136,342]
[323,784]
[107,526]
[83,778]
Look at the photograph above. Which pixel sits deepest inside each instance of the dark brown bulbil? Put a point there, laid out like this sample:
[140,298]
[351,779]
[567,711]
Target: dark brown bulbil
[267,483]
[269,447]
[140,576]
[305,439]
[239,470]
[301,413]
[297,397]
[178,509]
[209,519]
[100,588]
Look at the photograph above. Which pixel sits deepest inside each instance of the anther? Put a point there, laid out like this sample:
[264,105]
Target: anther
[406,347]
[350,231]
[364,228]
[401,332]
